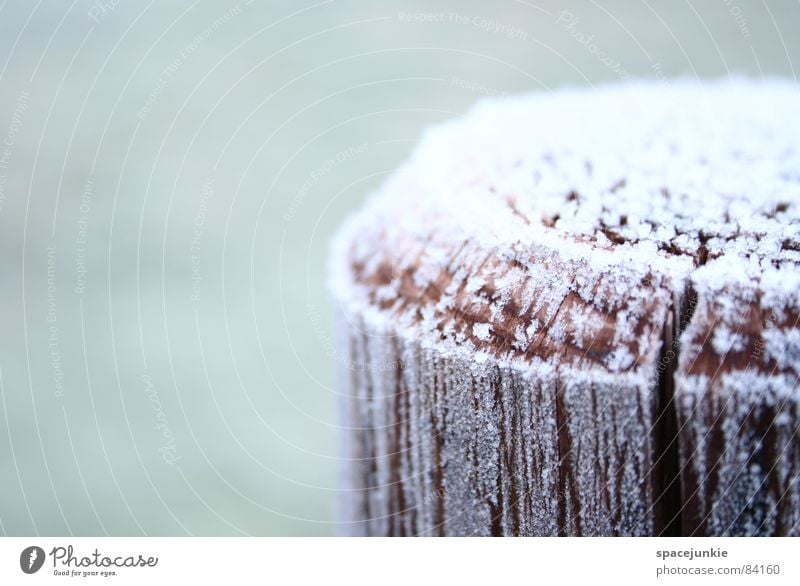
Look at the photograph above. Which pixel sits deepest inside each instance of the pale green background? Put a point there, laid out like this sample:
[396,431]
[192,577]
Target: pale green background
[244,375]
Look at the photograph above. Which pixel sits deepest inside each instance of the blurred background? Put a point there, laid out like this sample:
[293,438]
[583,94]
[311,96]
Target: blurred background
[170,176]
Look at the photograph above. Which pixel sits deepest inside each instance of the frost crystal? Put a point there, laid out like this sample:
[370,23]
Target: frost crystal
[481,331]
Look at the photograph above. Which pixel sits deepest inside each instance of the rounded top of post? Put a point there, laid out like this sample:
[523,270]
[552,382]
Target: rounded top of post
[608,200]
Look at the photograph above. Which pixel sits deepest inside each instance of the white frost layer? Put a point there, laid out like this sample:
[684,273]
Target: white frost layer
[659,166]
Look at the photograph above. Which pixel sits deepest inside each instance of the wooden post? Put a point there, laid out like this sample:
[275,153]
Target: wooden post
[549,330]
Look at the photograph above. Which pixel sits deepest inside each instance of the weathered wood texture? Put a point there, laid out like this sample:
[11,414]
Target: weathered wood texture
[446,450]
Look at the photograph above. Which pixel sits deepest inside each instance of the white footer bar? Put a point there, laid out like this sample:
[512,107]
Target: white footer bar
[406,562]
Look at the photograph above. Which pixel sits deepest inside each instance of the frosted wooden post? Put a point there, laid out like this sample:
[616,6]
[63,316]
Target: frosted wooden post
[576,314]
